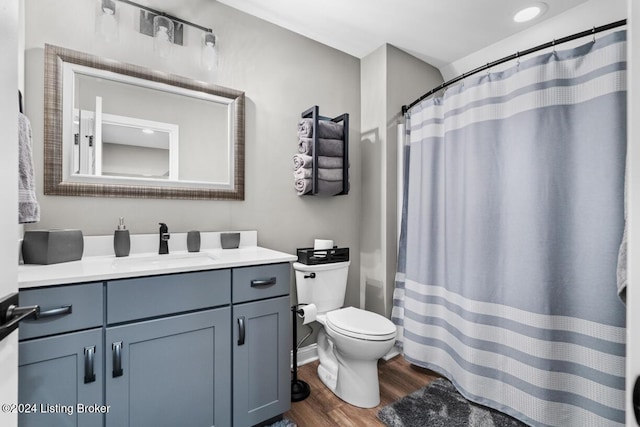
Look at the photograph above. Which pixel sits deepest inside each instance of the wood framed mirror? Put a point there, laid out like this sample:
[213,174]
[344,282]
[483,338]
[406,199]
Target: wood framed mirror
[119,130]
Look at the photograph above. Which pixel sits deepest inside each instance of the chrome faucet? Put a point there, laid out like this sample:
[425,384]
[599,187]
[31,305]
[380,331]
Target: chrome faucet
[164,236]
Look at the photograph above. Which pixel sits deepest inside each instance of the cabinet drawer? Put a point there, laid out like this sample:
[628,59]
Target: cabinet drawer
[145,297]
[86,309]
[263,281]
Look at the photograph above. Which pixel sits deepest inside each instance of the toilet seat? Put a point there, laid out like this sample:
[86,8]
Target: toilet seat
[361,324]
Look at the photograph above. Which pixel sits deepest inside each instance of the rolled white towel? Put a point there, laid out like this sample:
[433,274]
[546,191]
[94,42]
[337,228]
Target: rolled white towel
[303,186]
[302,161]
[302,173]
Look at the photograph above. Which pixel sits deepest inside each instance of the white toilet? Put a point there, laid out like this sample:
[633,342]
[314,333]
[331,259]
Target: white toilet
[351,340]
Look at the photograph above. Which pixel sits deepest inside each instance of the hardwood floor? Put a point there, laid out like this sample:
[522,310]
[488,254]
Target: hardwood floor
[324,409]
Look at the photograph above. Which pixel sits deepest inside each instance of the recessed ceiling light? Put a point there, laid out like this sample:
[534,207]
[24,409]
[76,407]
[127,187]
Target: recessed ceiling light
[530,12]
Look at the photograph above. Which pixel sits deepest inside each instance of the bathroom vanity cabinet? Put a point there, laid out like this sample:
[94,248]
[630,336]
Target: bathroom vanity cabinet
[203,348]
[61,357]
[164,361]
[261,374]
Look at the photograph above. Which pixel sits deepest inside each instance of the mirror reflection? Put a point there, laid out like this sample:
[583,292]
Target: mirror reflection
[126,126]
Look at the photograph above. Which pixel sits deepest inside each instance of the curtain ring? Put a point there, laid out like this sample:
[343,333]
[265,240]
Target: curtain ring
[593,31]
[518,58]
[553,44]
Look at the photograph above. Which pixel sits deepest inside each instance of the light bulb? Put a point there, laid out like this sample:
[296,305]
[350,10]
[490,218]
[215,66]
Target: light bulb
[162,35]
[209,52]
[106,25]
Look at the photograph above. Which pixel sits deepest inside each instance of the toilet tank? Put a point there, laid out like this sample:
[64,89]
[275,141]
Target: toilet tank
[327,289]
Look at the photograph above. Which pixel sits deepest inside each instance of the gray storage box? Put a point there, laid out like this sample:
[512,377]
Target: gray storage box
[52,246]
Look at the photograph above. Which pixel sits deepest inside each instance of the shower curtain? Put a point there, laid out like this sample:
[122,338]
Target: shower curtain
[511,225]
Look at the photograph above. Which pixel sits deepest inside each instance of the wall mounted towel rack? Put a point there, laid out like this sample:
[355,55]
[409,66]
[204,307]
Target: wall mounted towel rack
[314,114]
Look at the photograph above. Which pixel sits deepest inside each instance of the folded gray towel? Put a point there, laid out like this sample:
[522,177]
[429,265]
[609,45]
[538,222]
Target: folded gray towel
[305,161]
[327,162]
[330,174]
[28,207]
[324,174]
[325,188]
[326,129]
[326,147]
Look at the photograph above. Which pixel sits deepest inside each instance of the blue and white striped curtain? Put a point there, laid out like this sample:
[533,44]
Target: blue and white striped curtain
[506,282]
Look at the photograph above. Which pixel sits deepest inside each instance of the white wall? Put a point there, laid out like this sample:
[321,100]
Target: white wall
[9,42]
[591,14]
[390,78]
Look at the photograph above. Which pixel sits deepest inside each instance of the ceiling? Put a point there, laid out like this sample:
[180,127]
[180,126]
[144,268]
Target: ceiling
[436,31]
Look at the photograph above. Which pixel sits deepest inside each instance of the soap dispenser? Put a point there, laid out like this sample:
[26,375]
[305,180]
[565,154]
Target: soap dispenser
[121,240]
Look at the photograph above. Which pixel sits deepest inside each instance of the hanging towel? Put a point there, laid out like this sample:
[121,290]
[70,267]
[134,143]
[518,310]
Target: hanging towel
[621,271]
[326,147]
[326,129]
[305,161]
[28,208]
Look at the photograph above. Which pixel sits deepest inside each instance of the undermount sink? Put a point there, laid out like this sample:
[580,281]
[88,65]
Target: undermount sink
[167,260]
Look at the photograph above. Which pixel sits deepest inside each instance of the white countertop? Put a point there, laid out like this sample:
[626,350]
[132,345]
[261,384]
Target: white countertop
[99,267]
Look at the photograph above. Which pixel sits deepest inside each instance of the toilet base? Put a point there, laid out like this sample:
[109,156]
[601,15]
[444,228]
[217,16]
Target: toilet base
[353,380]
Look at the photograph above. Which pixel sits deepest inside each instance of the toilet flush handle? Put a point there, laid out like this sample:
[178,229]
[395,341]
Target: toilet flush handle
[310,276]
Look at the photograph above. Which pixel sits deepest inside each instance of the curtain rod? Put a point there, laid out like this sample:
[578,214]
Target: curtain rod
[516,55]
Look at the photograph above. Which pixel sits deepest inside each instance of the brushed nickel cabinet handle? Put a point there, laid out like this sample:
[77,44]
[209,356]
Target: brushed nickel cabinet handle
[89,358]
[241,330]
[65,309]
[258,283]
[116,352]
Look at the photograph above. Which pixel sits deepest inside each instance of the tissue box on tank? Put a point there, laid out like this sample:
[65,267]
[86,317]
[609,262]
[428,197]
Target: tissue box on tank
[52,246]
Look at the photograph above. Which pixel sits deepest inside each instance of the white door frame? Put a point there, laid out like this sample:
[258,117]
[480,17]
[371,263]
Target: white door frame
[9,196]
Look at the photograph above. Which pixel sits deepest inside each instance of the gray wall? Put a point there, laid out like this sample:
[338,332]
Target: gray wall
[390,78]
[281,73]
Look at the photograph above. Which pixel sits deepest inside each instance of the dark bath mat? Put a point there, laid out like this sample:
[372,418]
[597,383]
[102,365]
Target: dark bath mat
[440,405]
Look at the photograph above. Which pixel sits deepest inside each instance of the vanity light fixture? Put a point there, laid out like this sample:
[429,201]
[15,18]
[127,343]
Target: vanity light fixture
[107,21]
[530,12]
[209,51]
[165,29]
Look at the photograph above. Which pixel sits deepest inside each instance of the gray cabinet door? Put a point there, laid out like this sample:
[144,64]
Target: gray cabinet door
[173,371]
[59,377]
[261,373]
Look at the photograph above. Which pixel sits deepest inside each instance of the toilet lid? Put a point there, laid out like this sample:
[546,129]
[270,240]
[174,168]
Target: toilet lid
[361,324]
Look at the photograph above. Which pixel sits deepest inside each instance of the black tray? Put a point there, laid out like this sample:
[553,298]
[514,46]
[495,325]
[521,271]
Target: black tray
[311,256]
